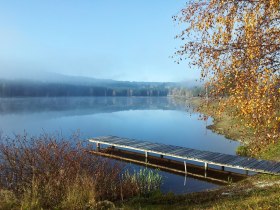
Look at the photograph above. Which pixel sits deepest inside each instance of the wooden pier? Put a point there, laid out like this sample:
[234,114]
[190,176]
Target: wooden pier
[215,176]
[187,154]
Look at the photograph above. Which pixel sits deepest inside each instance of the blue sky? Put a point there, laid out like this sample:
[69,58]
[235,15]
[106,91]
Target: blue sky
[113,39]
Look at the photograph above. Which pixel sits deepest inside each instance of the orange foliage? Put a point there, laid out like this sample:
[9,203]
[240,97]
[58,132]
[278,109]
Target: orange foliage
[236,43]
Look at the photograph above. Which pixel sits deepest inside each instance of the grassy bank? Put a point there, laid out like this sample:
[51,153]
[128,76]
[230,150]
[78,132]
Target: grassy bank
[235,129]
[261,192]
[224,124]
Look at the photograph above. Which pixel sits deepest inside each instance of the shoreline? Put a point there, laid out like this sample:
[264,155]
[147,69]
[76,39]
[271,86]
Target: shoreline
[231,129]
[221,124]
[260,191]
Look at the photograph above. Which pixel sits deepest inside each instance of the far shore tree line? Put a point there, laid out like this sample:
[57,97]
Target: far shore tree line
[23,89]
[13,89]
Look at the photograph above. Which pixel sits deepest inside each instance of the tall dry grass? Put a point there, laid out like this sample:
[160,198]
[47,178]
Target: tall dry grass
[48,172]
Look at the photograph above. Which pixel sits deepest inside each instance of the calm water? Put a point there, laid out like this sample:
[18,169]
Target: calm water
[154,119]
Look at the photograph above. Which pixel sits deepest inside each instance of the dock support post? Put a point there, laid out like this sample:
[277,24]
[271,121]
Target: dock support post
[247,172]
[161,156]
[185,164]
[223,168]
[206,166]
[98,146]
[146,156]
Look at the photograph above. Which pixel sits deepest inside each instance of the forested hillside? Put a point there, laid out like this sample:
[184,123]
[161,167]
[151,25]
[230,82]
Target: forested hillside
[9,88]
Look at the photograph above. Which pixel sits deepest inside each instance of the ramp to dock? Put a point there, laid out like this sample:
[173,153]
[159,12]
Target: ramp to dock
[206,157]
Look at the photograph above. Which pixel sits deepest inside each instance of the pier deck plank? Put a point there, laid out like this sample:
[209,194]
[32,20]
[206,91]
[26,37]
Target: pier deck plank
[214,158]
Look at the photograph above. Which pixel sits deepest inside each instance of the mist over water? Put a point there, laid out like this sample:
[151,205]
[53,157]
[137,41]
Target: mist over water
[152,118]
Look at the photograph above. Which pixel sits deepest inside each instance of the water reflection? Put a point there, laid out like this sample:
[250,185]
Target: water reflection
[153,119]
[85,105]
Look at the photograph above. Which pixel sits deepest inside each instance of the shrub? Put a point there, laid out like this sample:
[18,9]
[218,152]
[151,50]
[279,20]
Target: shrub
[7,199]
[242,150]
[78,194]
[49,172]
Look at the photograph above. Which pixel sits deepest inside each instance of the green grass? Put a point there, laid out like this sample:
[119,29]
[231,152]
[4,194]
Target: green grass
[259,192]
[242,150]
[272,152]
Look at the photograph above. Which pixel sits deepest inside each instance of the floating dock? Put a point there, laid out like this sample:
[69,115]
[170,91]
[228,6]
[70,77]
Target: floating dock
[187,154]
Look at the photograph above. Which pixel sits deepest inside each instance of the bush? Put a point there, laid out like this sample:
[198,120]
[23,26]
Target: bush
[8,200]
[242,150]
[78,194]
[49,172]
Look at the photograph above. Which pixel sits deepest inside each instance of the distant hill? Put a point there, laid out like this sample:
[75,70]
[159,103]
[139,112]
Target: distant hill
[52,85]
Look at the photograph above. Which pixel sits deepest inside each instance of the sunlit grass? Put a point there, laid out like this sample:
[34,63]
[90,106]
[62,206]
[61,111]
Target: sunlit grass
[248,194]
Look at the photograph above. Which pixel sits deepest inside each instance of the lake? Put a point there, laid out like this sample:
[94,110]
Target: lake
[155,119]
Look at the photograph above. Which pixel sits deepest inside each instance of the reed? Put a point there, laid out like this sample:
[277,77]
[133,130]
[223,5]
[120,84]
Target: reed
[145,180]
